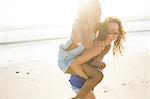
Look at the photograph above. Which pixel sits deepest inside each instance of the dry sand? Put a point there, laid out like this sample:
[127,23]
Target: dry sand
[30,71]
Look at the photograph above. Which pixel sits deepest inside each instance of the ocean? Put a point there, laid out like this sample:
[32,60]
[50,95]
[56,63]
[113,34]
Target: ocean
[24,33]
[29,69]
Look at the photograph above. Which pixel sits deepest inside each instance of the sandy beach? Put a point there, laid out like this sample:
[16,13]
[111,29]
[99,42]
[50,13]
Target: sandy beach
[30,71]
[32,30]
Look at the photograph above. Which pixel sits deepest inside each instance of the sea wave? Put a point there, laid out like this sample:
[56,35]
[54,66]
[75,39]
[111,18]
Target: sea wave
[32,33]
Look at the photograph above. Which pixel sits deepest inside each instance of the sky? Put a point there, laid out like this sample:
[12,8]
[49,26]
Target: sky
[58,12]
[125,7]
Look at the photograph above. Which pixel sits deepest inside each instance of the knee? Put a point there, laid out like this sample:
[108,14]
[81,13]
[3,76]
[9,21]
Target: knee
[99,77]
[103,65]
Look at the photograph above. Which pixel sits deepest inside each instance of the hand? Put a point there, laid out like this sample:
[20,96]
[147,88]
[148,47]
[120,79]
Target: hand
[97,59]
[99,64]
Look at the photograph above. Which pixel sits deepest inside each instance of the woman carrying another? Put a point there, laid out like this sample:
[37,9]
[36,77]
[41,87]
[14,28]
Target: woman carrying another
[111,26]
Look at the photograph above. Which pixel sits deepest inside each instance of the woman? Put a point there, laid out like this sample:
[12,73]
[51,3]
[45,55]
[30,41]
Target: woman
[111,26]
[83,35]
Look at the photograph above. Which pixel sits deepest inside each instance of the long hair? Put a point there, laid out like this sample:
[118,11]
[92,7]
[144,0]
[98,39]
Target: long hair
[103,33]
[85,11]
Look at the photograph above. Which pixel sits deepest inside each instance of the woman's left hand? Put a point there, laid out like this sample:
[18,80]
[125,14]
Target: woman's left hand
[98,63]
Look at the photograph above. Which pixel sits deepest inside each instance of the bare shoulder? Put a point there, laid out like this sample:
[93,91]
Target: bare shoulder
[97,46]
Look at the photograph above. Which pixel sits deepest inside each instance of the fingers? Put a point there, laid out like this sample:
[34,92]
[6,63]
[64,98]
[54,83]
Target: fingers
[102,65]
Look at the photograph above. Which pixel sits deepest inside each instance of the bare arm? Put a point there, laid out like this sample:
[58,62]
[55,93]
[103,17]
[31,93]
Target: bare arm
[105,51]
[102,54]
[97,61]
[86,33]
[83,58]
[85,37]
[88,54]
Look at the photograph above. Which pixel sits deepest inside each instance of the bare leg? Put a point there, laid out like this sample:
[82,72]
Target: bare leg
[95,76]
[90,95]
[78,70]
[70,71]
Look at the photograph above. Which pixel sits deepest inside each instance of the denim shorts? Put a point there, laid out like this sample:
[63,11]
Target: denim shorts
[65,58]
[76,82]
[76,89]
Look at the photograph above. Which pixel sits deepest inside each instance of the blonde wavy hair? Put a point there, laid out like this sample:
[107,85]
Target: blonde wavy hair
[103,33]
[85,11]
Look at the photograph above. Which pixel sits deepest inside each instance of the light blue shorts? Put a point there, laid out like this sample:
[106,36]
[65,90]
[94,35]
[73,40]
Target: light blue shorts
[65,58]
